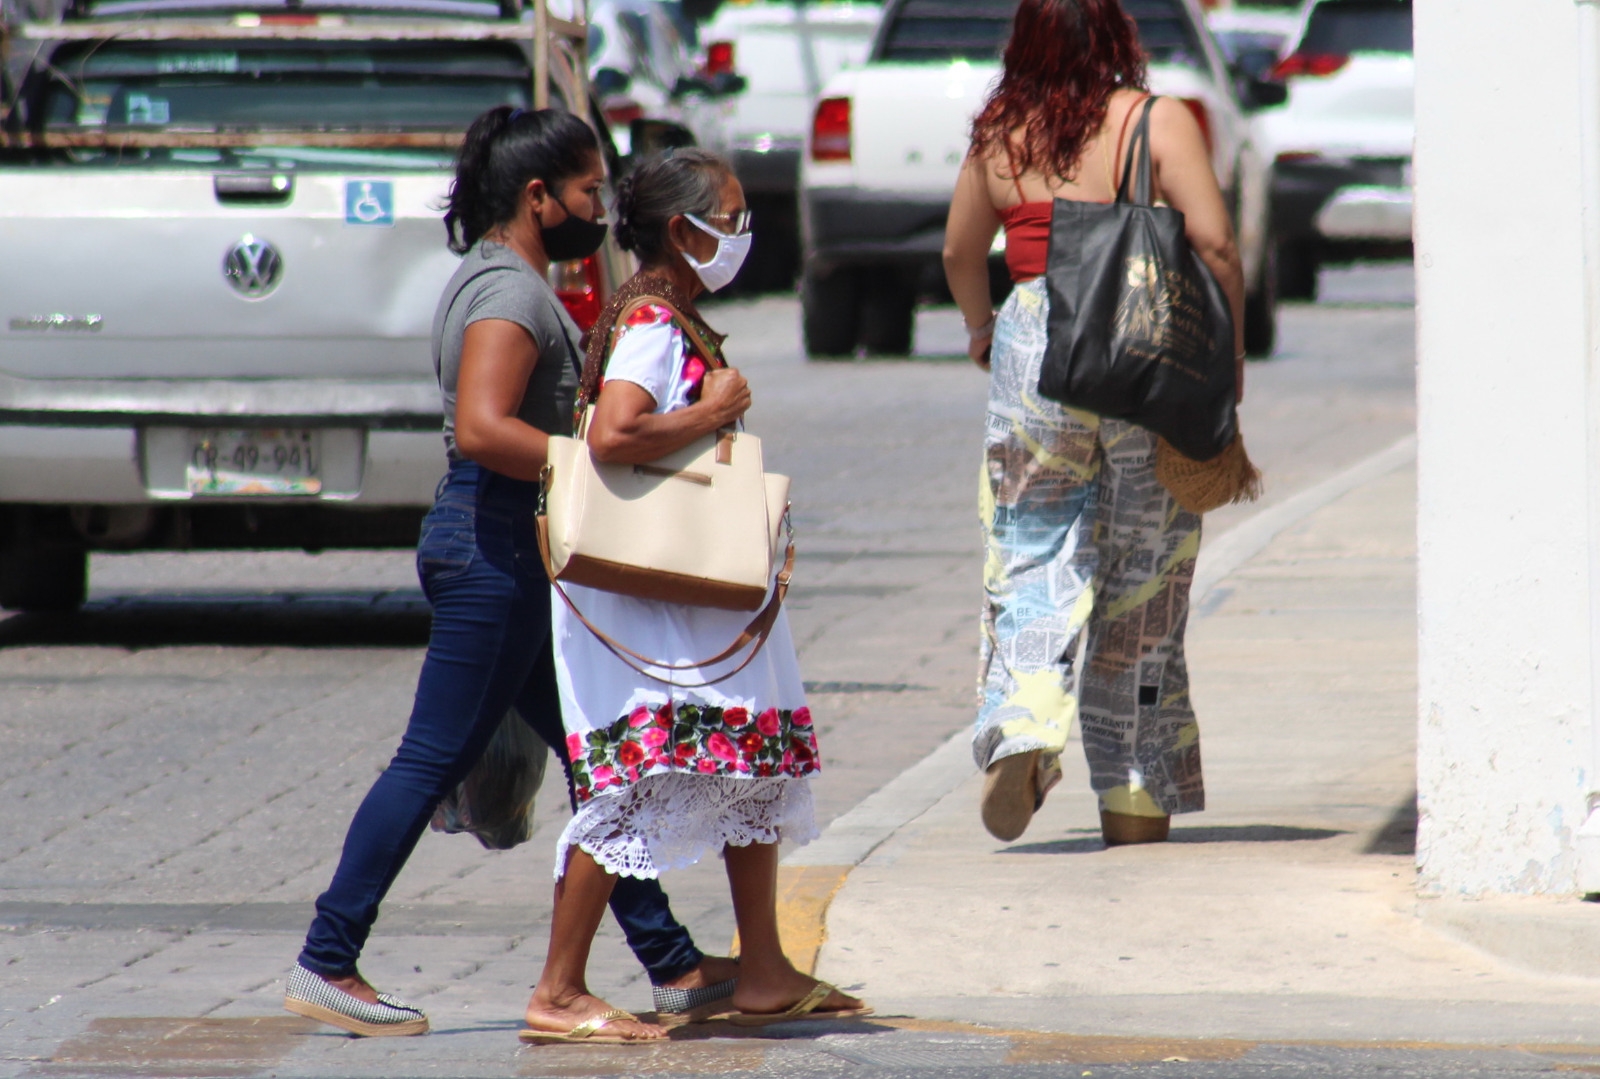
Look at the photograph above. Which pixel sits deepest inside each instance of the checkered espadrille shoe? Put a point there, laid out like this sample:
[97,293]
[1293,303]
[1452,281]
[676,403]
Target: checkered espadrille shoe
[693,1005]
[308,995]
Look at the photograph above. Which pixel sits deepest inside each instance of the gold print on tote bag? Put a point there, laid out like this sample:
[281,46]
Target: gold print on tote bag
[1163,311]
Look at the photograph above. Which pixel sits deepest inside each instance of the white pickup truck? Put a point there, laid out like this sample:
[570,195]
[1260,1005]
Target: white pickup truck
[888,138]
[220,253]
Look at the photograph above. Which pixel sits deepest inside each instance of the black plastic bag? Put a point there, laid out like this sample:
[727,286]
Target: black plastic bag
[495,801]
[1139,328]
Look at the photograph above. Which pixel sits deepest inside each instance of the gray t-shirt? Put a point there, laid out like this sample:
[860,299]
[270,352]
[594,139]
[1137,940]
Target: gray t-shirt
[493,281]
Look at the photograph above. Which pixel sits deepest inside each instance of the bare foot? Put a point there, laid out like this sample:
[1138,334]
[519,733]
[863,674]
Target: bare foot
[355,985]
[713,970]
[559,1017]
[781,991]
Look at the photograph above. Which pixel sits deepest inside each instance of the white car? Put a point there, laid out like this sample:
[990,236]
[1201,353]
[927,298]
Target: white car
[643,69]
[1342,146]
[785,51]
[1252,39]
[888,139]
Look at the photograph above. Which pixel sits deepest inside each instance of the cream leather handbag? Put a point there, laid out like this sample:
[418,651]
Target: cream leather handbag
[700,527]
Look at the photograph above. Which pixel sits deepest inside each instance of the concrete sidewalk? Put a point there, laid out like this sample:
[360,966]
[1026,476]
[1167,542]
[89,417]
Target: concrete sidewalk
[1285,911]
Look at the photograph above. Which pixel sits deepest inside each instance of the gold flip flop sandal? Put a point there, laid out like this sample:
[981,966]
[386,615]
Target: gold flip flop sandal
[585,1033]
[804,1008]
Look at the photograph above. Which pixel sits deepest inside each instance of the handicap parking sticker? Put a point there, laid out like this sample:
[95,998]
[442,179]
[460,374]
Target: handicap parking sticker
[368,202]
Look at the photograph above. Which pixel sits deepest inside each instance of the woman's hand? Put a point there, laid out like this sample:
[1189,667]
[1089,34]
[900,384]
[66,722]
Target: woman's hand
[978,349]
[725,394]
[626,429]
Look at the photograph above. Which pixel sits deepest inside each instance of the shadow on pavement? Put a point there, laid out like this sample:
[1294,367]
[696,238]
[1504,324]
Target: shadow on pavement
[1399,833]
[308,619]
[1090,842]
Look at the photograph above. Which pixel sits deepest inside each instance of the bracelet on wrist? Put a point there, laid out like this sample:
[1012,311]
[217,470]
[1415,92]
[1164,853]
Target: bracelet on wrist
[974,333]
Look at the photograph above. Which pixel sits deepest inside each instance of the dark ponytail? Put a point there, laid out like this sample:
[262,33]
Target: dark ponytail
[504,150]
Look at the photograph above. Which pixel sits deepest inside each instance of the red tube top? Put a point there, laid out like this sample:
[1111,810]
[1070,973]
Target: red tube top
[1028,237]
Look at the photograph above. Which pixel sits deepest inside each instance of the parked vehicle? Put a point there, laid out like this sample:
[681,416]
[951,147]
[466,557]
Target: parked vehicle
[785,51]
[887,141]
[220,252]
[643,68]
[1253,40]
[1342,147]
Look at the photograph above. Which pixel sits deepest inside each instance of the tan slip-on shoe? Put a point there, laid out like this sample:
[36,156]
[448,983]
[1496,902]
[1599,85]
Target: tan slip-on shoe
[1127,829]
[1013,790]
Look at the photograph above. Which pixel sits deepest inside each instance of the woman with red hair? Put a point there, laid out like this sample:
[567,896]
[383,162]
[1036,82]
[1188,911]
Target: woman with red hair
[1084,545]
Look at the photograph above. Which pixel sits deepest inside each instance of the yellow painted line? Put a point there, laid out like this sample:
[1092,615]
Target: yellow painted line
[804,892]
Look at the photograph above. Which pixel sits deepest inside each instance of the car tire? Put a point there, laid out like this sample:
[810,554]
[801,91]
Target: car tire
[888,314]
[1297,271]
[1261,309]
[37,579]
[830,313]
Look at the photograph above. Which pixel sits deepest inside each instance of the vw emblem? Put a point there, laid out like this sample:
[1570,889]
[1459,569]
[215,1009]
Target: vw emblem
[253,267]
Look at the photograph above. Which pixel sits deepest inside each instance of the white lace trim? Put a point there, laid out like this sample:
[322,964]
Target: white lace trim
[671,821]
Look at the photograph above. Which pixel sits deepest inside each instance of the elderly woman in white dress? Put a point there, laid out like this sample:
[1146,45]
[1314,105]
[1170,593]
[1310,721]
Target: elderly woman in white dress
[667,769]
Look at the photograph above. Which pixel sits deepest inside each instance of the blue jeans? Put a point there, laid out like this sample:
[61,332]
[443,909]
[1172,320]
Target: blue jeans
[489,649]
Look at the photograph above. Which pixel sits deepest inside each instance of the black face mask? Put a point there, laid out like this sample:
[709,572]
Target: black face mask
[573,238]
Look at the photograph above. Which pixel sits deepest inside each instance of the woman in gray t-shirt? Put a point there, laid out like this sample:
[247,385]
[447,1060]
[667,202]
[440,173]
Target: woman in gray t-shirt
[526,194]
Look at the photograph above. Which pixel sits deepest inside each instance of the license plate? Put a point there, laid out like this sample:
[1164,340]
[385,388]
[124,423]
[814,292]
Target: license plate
[265,461]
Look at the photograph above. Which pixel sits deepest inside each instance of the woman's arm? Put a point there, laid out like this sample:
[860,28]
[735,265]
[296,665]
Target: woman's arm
[497,359]
[626,429]
[1185,179]
[968,235]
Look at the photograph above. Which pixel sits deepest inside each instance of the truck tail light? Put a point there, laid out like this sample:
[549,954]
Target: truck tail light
[577,284]
[1202,116]
[621,111]
[719,58]
[1315,64]
[830,130]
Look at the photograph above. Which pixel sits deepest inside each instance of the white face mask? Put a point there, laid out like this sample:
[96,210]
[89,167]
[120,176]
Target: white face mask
[725,264]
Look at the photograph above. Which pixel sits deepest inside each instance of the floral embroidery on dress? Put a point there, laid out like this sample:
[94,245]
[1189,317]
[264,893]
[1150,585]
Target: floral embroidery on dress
[694,365]
[693,738]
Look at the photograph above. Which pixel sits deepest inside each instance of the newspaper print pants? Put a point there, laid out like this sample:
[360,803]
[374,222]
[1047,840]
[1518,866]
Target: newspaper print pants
[1084,548]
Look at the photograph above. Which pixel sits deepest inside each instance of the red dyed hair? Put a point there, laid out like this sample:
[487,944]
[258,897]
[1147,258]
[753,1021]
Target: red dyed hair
[1063,61]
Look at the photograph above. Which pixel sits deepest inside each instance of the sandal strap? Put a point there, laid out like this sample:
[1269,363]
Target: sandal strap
[810,1002]
[591,1026]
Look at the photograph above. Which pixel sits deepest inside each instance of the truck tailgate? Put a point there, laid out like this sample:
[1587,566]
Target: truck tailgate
[125,273]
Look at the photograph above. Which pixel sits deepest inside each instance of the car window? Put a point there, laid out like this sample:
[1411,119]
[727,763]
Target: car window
[1351,26]
[977,30]
[245,87]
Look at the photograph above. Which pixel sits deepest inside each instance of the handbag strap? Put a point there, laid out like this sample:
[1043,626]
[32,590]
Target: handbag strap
[713,356]
[1139,145]
[759,629]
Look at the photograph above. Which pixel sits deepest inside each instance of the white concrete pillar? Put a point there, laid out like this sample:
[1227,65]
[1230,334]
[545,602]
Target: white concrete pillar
[1504,750]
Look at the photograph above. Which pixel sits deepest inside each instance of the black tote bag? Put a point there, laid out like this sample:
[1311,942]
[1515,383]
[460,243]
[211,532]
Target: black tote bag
[1139,328]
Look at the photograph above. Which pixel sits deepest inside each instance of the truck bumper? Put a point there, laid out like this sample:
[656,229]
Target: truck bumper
[84,465]
[1341,201]
[849,226]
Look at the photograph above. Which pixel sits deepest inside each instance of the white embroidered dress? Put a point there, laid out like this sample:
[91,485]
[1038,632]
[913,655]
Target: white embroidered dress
[665,775]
